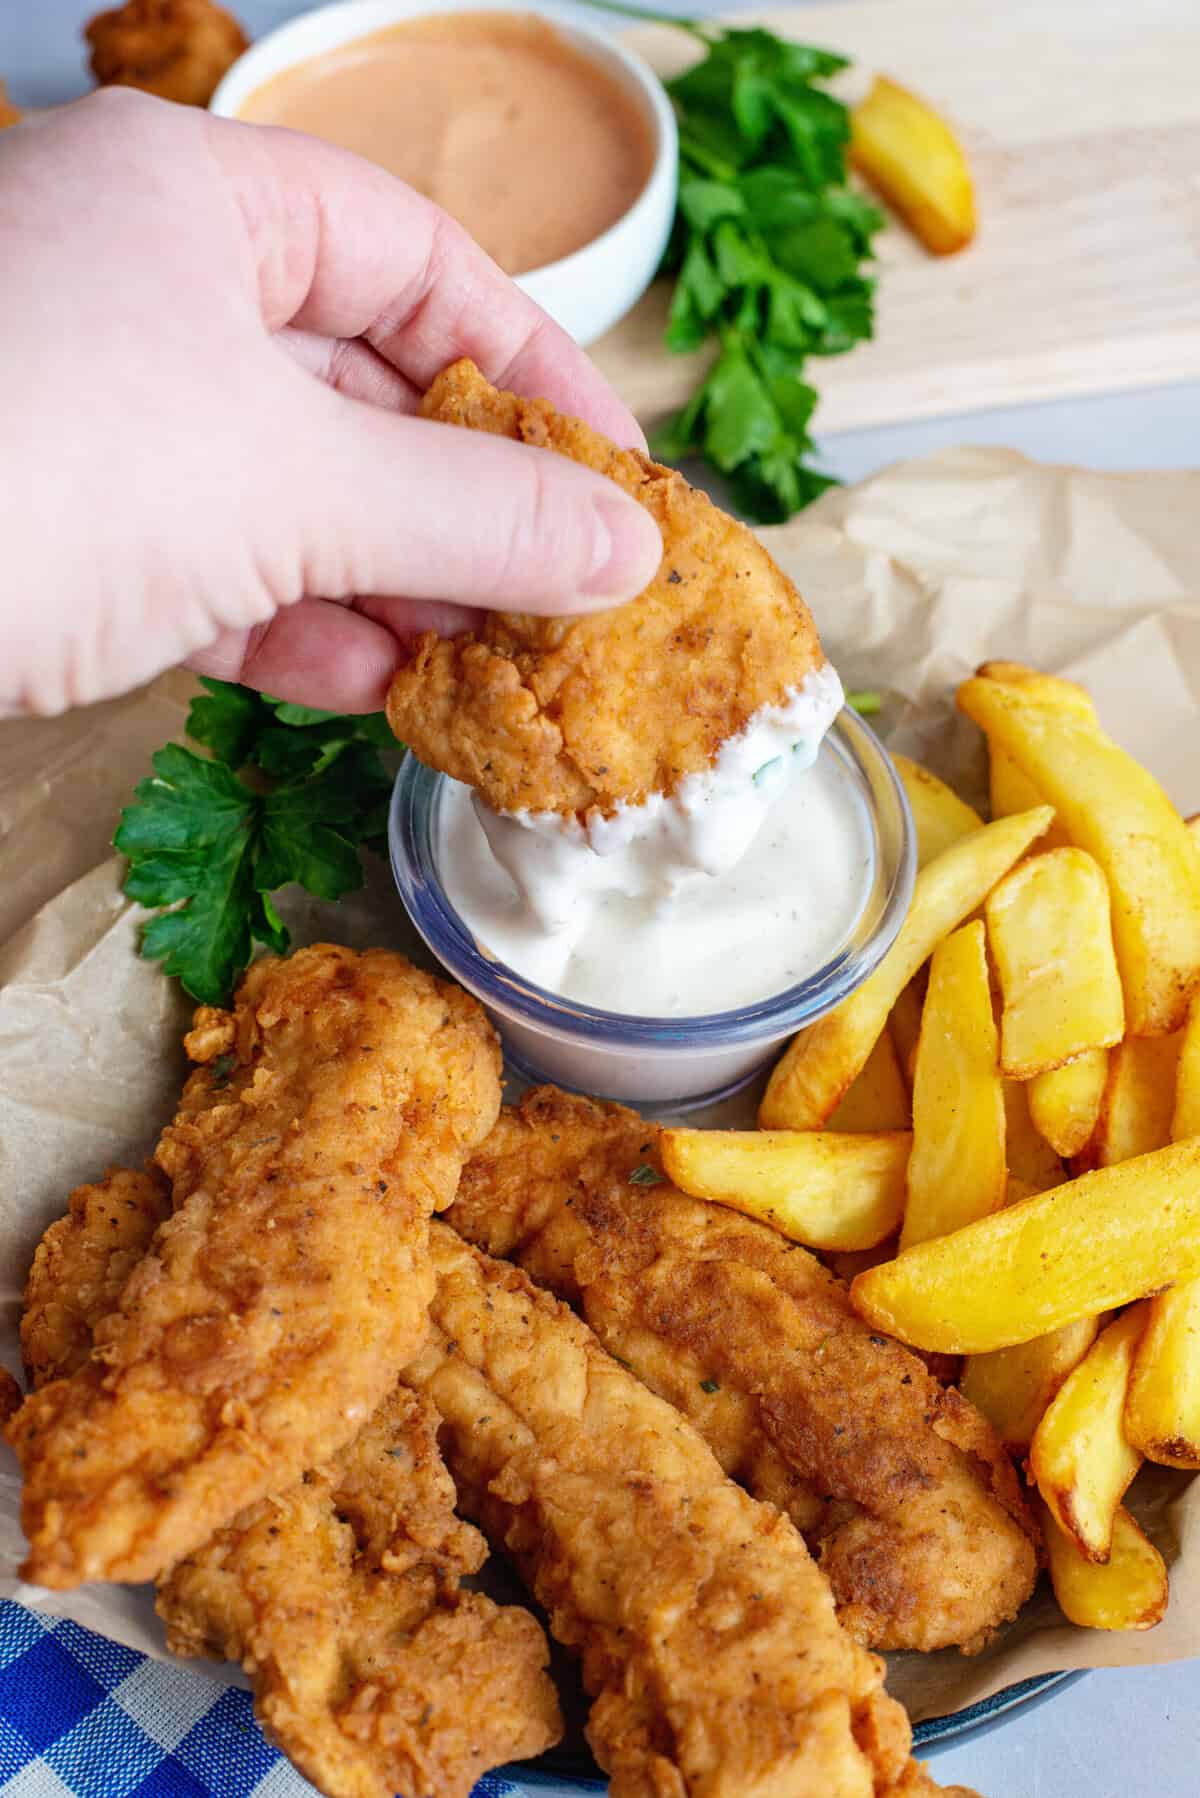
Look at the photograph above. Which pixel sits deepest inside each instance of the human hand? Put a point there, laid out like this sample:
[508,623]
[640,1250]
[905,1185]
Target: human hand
[214,338]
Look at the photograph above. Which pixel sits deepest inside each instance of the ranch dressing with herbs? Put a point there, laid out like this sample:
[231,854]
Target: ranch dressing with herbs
[749,879]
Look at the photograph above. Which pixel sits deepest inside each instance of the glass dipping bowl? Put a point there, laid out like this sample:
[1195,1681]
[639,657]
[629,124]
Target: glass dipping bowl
[674,1062]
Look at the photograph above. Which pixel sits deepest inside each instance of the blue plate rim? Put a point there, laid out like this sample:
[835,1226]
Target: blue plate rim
[929,1736]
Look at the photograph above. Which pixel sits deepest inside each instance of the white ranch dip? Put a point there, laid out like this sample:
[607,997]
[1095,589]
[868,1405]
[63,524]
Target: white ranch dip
[747,880]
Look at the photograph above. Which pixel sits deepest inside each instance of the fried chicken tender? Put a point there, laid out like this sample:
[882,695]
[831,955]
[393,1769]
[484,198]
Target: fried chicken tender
[372,1670]
[708,1638]
[572,715]
[9,114]
[177,49]
[330,1115]
[900,1487]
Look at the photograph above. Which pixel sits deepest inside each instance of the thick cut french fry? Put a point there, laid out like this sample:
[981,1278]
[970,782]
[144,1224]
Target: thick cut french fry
[1030,1156]
[823,1188]
[1185,1118]
[1009,789]
[819,1064]
[1050,932]
[1013,1386]
[904,1024]
[1162,1412]
[1049,689]
[1138,1102]
[878,1099]
[939,815]
[957,1170]
[1080,1456]
[1100,1241]
[1128,1591]
[908,153]
[1065,1102]
[1116,810]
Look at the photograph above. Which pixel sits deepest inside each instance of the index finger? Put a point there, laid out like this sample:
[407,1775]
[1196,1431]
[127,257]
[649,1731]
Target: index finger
[344,249]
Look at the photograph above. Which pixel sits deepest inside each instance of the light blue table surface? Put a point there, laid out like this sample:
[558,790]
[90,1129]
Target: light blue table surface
[1112,1735]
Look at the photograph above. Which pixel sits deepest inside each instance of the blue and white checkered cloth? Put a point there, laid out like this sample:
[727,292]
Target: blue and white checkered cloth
[82,1717]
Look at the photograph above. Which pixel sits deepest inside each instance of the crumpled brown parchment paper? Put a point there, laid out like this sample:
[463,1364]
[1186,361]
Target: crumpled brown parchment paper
[914,577]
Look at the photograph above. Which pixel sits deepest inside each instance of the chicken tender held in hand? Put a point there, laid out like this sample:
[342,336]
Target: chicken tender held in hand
[582,715]
[900,1487]
[330,1115]
[177,49]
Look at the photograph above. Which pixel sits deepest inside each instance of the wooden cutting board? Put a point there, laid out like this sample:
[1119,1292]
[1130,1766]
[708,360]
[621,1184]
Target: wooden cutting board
[1082,122]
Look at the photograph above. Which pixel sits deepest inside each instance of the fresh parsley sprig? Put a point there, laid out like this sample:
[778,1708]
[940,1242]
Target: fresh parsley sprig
[769,249]
[287,794]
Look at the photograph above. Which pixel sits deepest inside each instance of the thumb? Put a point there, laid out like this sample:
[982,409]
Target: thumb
[382,504]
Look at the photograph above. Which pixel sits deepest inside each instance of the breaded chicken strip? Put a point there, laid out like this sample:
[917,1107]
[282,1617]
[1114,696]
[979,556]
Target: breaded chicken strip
[330,1115]
[177,49]
[708,1638]
[372,1670]
[900,1487]
[571,715]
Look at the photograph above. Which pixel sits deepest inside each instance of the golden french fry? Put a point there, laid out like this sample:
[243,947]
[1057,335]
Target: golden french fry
[939,815]
[819,1064]
[1113,808]
[1009,789]
[1162,1411]
[824,1188]
[904,1024]
[957,1170]
[1185,1117]
[1138,1102]
[1128,1591]
[1013,1386]
[1049,689]
[1103,1240]
[1064,1103]
[1030,1156]
[908,153]
[1080,1456]
[878,1099]
[1050,932]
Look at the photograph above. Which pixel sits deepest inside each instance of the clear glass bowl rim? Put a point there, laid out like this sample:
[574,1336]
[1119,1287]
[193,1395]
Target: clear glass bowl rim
[411,818]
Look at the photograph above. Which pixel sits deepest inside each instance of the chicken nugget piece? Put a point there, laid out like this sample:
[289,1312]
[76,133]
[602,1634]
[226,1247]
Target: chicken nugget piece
[708,1638]
[9,114]
[372,1669]
[580,715]
[900,1487]
[177,49]
[330,1115]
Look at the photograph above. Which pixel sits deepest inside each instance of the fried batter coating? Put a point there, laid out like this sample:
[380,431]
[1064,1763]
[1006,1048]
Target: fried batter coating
[572,715]
[708,1638]
[900,1487]
[9,114]
[372,1670]
[330,1115]
[81,1264]
[177,49]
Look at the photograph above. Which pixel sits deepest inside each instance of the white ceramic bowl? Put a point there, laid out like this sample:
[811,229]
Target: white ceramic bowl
[586,292]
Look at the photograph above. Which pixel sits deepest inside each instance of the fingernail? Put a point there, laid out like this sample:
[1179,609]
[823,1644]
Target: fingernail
[626,551]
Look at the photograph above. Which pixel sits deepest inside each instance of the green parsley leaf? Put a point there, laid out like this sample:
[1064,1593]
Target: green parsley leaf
[207,848]
[710,1385]
[769,252]
[645,1176]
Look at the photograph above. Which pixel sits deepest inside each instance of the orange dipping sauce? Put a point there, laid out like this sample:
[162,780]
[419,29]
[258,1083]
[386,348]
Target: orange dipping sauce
[525,141]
